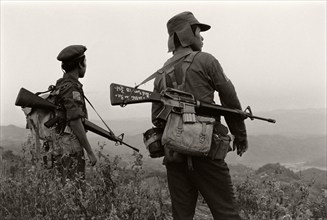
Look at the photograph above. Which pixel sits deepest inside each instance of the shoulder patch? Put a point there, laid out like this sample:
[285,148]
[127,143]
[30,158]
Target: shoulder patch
[77,96]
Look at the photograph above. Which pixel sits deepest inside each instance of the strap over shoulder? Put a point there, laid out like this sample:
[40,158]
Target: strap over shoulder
[177,77]
[169,64]
[191,56]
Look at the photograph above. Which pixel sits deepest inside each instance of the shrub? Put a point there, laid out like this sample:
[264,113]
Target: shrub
[116,190]
[109,192]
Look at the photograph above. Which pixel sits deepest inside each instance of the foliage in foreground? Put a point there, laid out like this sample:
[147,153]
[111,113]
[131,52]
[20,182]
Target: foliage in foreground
[271,199]
[117,192]
[109,192]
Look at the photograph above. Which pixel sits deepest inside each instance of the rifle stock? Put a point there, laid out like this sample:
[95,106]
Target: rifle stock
[123,95]
[26,98]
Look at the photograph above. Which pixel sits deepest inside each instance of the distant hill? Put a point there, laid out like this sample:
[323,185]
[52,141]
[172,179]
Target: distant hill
[12,137]
[315,176]
[129,126]
[297,122]
[265,149]
[12,132]
[320,162]
[278,172]
[299,136]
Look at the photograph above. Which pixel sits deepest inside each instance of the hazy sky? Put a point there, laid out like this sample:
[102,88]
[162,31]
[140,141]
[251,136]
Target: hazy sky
[273,51]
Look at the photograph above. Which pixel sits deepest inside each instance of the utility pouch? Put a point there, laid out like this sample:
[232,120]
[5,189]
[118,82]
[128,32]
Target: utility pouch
[191,137]
[152,141]
[220,143]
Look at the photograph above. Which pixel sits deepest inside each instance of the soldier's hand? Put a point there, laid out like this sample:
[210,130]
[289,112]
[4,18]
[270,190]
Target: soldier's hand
[240,144]
[92,158]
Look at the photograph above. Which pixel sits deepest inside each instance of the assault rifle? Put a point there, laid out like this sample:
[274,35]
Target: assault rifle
[177,101]
[26,98]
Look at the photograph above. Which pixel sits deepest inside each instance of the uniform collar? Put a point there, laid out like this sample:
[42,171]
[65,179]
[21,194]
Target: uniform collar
[70,78]
[182,51]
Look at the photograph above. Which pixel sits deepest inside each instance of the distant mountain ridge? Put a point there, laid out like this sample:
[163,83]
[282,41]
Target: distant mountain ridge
[296,123]
[299,136]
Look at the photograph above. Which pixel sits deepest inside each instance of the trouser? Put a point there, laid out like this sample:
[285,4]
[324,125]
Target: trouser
[209,177]
[71,167]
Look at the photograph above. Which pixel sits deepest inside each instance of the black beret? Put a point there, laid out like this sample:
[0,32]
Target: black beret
[71,53]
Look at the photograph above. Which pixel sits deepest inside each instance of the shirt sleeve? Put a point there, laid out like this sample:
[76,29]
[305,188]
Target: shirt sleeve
[157,107]
[73,101]
[228,98]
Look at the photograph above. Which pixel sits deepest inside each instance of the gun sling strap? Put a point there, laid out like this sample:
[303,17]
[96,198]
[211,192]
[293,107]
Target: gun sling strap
[167,66]
[177,81]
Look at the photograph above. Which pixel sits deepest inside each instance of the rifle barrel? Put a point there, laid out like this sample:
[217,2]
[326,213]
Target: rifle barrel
[129,146]
[104,133]
[217,110]
[263,119]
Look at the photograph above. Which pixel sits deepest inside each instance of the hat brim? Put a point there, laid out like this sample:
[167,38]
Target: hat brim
[203,27]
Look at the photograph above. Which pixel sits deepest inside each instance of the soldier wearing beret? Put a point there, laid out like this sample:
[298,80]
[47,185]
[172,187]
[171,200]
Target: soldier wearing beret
[209,174]
[70,97]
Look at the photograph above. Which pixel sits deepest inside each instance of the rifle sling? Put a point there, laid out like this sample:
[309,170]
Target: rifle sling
[99,115]
[171,62]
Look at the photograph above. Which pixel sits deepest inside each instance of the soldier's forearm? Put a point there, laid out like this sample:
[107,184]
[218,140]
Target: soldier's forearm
[78,129]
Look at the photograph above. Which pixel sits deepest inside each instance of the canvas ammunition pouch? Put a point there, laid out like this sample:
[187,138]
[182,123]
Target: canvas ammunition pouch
[188,137]
[220,144]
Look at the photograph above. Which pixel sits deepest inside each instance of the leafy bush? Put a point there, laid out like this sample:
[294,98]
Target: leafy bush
[116,192]
[109,192]
[268,198]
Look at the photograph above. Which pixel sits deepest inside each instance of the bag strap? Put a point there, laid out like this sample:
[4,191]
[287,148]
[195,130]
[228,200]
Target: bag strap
[169,64]
[180,70]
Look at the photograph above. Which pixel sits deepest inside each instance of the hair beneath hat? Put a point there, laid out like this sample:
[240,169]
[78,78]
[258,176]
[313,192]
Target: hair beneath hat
[177,42]
[71,65]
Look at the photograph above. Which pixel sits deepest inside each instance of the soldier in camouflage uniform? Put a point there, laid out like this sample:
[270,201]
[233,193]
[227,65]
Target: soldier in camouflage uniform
[70,97]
